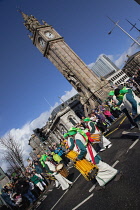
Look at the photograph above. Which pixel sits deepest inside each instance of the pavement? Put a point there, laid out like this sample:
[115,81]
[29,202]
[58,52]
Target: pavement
[124,155]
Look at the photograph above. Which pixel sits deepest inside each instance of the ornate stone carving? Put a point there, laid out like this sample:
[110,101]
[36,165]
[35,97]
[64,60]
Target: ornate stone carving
[71,78]
[44,22]
[31,23]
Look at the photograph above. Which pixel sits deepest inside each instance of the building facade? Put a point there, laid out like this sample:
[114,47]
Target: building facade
[103,66]
[37,146]
[119,77]
[132,64]
[62,118]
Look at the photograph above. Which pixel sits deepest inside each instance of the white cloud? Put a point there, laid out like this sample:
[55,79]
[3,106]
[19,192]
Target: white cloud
[111,57]
[120,60]
[68,94]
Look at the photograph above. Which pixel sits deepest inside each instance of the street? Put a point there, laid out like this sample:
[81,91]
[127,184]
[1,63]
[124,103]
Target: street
[124,194]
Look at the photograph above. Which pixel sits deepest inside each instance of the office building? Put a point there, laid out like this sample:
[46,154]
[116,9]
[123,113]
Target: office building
[104,67]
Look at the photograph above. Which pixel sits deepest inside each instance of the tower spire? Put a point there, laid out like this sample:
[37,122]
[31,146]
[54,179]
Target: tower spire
[25,17]
[30,22]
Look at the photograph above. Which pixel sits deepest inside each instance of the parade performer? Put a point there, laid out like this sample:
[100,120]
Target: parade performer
[38,181]
[122,108]
[48,173]
[94,130]
[64,183]
[130,101]
[106,172]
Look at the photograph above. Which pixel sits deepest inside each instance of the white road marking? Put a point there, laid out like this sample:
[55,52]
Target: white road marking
[132,145]
[77,178]
[83,202]
[114,164]
[43,198]
[38,204]
[59,199]
[64,193]
[92,188]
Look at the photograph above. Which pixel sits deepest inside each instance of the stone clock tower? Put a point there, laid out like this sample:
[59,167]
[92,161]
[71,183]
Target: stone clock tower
[52,45]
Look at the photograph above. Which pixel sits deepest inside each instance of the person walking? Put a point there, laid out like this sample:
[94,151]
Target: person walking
[105,143]
[130,101]
[105,172]
[60,180]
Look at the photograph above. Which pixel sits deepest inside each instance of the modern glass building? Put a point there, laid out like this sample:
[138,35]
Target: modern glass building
[103,66]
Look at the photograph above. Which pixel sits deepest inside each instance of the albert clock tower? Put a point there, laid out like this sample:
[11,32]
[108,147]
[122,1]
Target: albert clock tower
[49,42]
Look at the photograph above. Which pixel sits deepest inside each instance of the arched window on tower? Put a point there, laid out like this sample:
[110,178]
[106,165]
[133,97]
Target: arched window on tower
[72,120]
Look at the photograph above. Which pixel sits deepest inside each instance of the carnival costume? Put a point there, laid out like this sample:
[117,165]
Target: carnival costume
[105,172]
[94,130]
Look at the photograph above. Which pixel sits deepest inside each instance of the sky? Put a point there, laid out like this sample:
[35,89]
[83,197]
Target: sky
[30,84]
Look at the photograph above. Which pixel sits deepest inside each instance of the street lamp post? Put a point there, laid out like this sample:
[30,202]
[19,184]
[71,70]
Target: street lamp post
[116,24]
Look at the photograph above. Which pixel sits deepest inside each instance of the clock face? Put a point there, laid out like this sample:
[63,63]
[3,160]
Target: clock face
[42,42]
[49,35]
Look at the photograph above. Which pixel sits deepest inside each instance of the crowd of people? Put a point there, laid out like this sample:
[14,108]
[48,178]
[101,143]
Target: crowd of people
[26,186]
[24,190]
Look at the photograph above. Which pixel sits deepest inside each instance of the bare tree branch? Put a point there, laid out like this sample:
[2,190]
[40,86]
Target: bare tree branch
[13,152]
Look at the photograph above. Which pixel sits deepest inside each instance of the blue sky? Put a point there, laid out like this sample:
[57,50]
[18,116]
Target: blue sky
[27,77]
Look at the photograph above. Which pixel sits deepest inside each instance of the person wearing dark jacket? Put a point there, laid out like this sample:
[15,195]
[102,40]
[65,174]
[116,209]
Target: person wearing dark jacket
[22,187]
[40,171]
[6,198]
[38,168]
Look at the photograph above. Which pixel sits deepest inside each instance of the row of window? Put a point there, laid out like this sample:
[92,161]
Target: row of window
[117,75]
[121,80]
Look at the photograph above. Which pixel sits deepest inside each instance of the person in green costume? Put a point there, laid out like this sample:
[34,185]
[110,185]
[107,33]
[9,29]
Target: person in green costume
[106,172]
[130,101]
[37,180]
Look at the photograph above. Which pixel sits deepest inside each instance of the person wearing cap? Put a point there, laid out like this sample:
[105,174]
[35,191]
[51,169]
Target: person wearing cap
[115,110]
[106,172]
[94,130]
[131,103]
[79,143]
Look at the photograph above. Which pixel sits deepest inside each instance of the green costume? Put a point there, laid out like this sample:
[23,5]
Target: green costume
[90,125]
[42,160]
[56,157]
[35,179]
